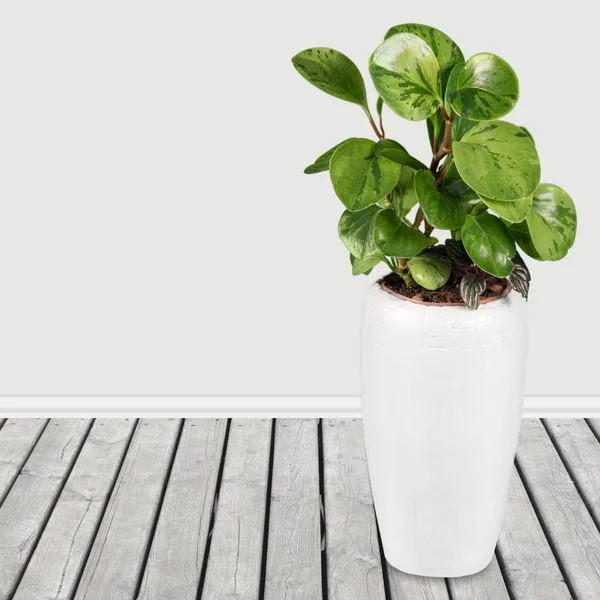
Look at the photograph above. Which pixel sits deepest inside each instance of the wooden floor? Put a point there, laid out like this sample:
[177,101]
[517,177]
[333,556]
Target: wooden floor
[248,509]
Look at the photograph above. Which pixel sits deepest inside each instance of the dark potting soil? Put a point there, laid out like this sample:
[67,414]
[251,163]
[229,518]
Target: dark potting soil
[448,293]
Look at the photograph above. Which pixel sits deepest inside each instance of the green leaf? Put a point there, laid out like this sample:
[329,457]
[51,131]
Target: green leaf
[489,244]
[487,88]
[403,195]
[498,161]
[460,126]
[356,231]
[322,163]
[454,186]
[552,222]
[456,251]
[429,271]
[379,106]
[471,288]
[514,211]
[451,86]
[445,50]
[521,235]
[392,150]
[435,129]
[396,238]
[441,211]
[363,266]
[528,133]
[359,177]
[333,73]
[406,75]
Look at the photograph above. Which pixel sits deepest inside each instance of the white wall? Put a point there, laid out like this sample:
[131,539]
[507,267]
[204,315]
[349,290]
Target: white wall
[157,235]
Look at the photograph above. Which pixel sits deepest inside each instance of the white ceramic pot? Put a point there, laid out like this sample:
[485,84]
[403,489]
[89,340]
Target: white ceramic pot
[442,397]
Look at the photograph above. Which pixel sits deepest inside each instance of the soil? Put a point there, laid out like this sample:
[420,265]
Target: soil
[449,293]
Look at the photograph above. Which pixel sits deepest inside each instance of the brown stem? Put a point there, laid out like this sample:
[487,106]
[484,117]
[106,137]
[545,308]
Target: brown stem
[443,172]
[381,125]
[403,265]
[418,218]
[428,229]
[446,148]
[377,133]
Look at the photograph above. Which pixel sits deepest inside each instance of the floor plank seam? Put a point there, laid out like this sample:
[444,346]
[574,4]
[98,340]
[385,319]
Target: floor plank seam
[321,466]
[23,462]
[52,506]
[159,506]
[109,494]
[504,572]
[565,463]
[263,564]
[545,530]
[384,563]
[593,430]
[213,514]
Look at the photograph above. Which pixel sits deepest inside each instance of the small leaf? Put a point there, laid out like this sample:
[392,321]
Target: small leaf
[520,233]
[498,161]
[333,73]
[471,288]
[518,260]
[513,211]
[435,130]
[403,195]
[356,231]
[379,106]
[429,271]
[359,177]
[487,88]
[520,278]
[454,186]
[406,75]
[456,251]
[322,163]
[395,238]
[451,86]
[440,211]
[489,244]
[394,151]
[363,266]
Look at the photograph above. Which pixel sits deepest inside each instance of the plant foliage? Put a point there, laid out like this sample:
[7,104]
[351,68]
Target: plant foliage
[482,186]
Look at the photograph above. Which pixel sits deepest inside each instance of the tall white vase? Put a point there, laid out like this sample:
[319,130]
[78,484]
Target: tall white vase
[442,397]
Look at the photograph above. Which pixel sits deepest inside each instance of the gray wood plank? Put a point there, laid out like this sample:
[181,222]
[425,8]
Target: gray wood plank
[529,565]
[354,568]
[565,519]
[177,554]
[580,451]
[594,425]
[485,584]
[17,439]
[294,548]
[412,587]
[234,563]
[59,557]
[116,560]
[2,421]
[33,495]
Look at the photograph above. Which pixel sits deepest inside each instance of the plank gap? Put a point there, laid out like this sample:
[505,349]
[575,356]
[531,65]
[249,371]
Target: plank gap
[384,564]
[161,499]
[213,513]
[544,527]
[593,429]
[504,573]
[321,462]
[569,470]
[265,548]
[51,507]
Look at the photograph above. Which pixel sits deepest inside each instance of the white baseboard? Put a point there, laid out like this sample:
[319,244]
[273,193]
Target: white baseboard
[247,406]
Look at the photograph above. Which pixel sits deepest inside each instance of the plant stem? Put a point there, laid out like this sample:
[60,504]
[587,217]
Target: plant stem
[377,132]
[381,125]
[443,172]
[446,143]
[418,218]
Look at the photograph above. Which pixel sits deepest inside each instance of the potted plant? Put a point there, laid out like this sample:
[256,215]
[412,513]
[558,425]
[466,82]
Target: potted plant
[443,337]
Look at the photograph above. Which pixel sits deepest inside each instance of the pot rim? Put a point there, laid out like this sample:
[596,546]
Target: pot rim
[489,300]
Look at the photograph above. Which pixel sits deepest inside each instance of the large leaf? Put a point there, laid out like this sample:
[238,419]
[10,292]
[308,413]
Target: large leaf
[392,150]
[471,288]
[446,51]
[489,244]
[430,271]
[521,235]
[333,73]
[552,222]
[363,266]
[360,178]
[513,211]
[460,126]
[498,160]
[356,231]
[454,186]
[396,238]
[406,74]
[487,88]
[322,163]
[403,195]
[440,211]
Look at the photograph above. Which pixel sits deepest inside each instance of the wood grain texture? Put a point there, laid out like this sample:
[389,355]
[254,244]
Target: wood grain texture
[27,507]
[580,451]
[234,563]
[59,557]
[488,583]
[177,554]
[294,546]
[565,519]
[529,565]
[116,560]
[17,439]
[411,587]
[354,569]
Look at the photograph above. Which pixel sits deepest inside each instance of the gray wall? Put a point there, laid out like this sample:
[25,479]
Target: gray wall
[157,235]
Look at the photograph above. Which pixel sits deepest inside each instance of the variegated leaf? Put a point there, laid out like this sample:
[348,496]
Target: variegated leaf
[513,211]
[392,150]
[440,211]
[322,163]
[363,266]
[456,251]
[395,238]
[430,271]
[471,288]
[519,279]
[356,231]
